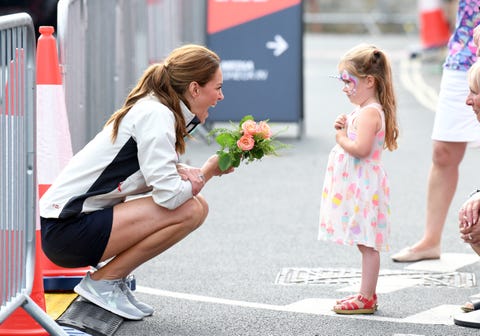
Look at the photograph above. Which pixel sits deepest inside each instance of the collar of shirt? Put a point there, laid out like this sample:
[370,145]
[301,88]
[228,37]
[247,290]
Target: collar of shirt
[191,120]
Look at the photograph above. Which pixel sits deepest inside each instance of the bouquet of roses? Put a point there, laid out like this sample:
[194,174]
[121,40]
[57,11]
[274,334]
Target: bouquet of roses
[248,141]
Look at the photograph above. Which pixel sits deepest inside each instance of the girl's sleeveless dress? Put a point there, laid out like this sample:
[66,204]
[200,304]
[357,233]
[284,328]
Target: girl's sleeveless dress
[355,206]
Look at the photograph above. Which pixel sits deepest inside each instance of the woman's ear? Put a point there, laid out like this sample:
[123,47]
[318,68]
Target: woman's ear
[193,88]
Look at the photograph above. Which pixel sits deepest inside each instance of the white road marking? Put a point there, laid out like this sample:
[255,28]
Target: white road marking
[442,314]
[438,315]
[448,262]
[413,82]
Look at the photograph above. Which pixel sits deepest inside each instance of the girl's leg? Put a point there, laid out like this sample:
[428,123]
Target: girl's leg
[142,230]
[370,271]
[365,302]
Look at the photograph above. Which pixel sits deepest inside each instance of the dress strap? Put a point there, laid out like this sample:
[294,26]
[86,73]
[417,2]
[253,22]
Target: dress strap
[379,108]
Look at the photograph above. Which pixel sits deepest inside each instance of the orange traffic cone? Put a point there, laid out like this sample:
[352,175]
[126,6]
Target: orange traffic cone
[20,322]
[54,148]
[434,27]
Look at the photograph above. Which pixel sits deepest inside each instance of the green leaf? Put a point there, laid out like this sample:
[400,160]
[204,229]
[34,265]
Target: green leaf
[256,153]
[225,140]
[236,161]
[224,161]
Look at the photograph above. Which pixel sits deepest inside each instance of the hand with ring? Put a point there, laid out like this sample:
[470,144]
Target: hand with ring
[194,175]
[471,235]
[469,213]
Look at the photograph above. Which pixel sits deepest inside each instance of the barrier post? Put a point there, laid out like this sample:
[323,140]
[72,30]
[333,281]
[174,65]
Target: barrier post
[20,276]
[53,145]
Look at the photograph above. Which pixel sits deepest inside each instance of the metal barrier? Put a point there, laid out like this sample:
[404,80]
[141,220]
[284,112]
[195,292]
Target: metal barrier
[17,169]
[106,45]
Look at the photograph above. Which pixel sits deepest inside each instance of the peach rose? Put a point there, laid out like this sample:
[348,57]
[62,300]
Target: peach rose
[264,130]
[246,142]
[249,127]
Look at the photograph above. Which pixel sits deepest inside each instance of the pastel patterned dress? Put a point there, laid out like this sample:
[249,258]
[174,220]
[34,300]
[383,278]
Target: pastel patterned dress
[355,205]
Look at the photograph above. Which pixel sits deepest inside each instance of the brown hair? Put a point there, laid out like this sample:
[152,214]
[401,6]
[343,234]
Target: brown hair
[169,81]
[367,60]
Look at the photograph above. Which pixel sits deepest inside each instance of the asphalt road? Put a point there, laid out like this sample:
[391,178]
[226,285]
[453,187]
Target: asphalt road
[255,266]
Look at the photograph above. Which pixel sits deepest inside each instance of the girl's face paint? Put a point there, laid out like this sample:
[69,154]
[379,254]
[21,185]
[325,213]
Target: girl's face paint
[349,82]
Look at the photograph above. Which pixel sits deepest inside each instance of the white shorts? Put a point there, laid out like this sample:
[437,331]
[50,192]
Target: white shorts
[454,119]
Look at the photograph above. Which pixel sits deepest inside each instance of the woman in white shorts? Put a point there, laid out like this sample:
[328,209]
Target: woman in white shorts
[455,126]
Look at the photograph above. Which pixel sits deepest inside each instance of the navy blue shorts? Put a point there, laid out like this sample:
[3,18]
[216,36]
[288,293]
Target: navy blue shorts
[78,241]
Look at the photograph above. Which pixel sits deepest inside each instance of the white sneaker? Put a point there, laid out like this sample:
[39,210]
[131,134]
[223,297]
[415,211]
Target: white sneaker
[110,295]
[146,309]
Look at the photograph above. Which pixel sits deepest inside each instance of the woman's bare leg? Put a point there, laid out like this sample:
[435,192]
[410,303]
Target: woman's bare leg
[142,230]
[442,183]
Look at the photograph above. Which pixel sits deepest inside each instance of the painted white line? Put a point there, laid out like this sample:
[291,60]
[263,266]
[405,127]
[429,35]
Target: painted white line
[412,81]
[314,306]
[208,299]
[439,315]
[448,262]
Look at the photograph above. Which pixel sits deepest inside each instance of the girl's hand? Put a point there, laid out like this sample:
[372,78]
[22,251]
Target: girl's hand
[341,136]
[340,122]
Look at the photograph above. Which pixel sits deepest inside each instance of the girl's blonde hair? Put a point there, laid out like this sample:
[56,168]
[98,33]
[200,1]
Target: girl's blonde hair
[169,82]
[367,60]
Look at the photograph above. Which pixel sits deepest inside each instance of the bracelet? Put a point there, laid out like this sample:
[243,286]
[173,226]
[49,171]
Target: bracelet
[473,193]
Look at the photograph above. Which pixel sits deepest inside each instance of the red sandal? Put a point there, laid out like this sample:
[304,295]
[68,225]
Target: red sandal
[351,297]
[351,307]
[348,298]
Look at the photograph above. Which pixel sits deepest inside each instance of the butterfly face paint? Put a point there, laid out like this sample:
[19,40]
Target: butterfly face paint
[350,82]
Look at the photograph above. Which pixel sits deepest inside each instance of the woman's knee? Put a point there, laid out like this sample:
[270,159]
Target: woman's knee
[197,212]
[448,153]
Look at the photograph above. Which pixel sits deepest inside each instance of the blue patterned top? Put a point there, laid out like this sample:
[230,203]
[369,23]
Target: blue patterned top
[461,50]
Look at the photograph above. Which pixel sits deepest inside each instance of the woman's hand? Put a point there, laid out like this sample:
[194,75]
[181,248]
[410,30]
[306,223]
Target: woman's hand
[210,168]
[467,219]
[469,212]
[194,175]
[471,235]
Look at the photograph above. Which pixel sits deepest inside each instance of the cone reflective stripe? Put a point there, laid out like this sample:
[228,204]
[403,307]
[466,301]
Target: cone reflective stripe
[54,148]
[434,27]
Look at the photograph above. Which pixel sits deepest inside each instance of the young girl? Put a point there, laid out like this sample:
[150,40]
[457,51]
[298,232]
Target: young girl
[355,199]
